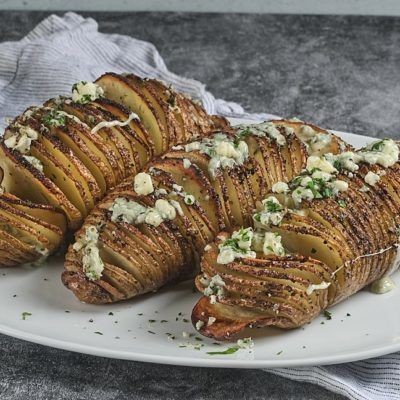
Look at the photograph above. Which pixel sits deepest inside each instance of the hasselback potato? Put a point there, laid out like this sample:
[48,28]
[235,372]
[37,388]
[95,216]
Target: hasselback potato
[58,160]
[151,229]
[329,232]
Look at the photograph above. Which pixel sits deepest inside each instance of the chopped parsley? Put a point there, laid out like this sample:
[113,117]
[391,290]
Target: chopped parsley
[229,350]
[98,333]
[272,206]
[54,118]
[25,314]
[327,314]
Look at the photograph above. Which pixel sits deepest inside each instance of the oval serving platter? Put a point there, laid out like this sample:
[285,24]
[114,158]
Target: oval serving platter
[35,306]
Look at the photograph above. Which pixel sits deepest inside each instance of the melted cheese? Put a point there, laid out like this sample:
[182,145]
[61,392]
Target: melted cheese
[88,244]
[84,92]
[110,124]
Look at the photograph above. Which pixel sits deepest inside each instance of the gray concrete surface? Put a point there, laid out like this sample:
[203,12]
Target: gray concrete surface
[339,72]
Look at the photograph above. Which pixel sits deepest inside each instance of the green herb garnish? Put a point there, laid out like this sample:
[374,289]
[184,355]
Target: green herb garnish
[229,350]
[327,314]
[25,314]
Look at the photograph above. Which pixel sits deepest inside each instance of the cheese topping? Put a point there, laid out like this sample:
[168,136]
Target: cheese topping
[22,139]
[280,187]
[199,324]
[244,244]
[371,178]
[186,163]
[215,288]
[263,129]
[237,246]
[246,343]
[273,244]
[134,213]
[316,142]
[88,244]
[143,184]
[272,213]
[85,92]
[223,151]
[110,124]
[320,286]
[34,162]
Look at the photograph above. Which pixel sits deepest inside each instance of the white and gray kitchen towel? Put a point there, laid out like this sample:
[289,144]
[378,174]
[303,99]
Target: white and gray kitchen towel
[62,50]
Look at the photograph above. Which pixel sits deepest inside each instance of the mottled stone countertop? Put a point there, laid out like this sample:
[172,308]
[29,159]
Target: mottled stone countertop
[339,72]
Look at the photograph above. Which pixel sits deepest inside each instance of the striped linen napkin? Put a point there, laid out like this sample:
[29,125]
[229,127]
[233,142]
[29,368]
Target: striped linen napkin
[61,50]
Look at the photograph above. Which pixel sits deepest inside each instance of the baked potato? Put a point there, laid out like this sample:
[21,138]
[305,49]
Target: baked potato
[335,243]
[63,157]
[188,195]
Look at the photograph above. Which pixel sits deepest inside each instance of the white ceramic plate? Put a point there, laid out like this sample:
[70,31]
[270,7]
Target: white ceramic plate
[366,325]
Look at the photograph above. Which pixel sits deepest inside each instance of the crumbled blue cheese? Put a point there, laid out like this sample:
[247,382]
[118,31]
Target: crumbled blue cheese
[320,163]
[34,162]
[211,320]
[237,246]
[111,124]
[143,184]
[280,187]
[21,139]
[382,285]
[199,324]
[223,151]
[88,244]
[160,192]
[43,251]
[272,213]
[316,142]
[186,163]
[273,244]
[85,92]
[318,180]
[177,206]
[245,343]
[371,178]
[320,286]
[263,129]
[383,152]
[215,287]
[134,213]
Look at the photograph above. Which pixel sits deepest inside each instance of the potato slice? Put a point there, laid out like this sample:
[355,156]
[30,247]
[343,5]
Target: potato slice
[120,89]
[162,110]
[114,136]
[143,143]
[25,181]
[52,233]
[42,212]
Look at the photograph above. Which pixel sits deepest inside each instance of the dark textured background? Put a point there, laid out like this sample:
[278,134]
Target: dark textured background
[339,72]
